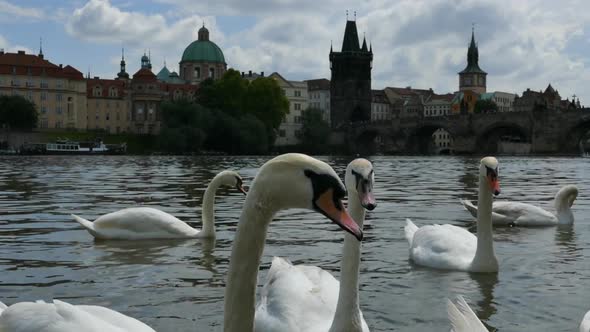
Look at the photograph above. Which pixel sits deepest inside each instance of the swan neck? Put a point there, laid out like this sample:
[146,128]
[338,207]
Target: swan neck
[347,316]
[563,211]
[240,290]
[208,214]
[485,256]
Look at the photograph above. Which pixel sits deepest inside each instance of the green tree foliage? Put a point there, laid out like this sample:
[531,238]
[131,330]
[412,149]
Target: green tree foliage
[315,132]
[238,97]
[266,101]
[16,112]
[184,127]
[485,106]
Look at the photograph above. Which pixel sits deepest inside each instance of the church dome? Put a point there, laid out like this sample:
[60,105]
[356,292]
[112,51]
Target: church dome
[203,50]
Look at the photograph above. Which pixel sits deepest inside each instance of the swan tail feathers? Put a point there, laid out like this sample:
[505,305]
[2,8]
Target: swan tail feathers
[85,223]
[469,207]
[462,318]
[410,229]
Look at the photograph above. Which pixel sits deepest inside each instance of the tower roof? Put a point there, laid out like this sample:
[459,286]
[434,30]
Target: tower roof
[350,43]
[203,50]
[472,58]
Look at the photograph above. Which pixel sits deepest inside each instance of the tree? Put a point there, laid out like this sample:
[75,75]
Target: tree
[225,94]
[315,132]
[485,106]
[265,100]
[184,126]
[16,112]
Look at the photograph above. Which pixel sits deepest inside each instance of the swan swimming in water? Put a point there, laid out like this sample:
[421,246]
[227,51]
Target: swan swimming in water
[308,298]
[61,316]
[454,248]
[141,223]
[523,214]
[287,181]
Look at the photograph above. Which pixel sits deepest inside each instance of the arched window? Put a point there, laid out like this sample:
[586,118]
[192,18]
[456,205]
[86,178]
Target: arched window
[97,91]
[113,92]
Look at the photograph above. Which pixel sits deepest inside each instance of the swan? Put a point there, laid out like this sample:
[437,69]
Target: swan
[141,223]
[585,324]
[307,298]
[61,316]
[522,214]
[454,248]
[288,181]
[462,318]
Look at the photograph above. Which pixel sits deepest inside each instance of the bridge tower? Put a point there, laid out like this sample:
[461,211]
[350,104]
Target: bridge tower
[472,77]
[350,84]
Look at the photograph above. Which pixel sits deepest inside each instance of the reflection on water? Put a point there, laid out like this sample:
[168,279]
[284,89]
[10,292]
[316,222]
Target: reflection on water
[178,285]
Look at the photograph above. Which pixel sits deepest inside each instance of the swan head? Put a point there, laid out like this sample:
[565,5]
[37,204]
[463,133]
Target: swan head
[232,179]
[488,171]
[359,179]
[296,180]
[565,197]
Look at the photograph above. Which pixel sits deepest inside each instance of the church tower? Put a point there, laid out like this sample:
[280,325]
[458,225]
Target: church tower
[472,77]
[350,83]
[123,75]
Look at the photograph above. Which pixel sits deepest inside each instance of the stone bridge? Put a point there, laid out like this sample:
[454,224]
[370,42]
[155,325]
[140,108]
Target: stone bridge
[547,131]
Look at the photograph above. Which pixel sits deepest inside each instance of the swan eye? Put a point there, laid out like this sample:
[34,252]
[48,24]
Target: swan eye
[321,183]
[492,173]
[363,184]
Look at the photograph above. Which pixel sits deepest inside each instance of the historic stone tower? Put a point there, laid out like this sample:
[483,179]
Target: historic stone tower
[350,85]
[472,77]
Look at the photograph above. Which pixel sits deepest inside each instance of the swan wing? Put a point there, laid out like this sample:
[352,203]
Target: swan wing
[296,298]
[61,316]
[142,223]
[462,318]
[521,214]
[443,247]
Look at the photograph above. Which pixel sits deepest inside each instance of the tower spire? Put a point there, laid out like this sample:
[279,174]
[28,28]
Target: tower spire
[41,47]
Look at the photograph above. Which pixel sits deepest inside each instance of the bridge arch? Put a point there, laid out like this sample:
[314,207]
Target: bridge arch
[488,139]
[576,135]
[431,138]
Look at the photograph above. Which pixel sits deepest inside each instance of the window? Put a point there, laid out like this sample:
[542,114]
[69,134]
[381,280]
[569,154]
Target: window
[58,124]
[113,92]
[58,109]
[58,97]
[43,109]
[97,91]
[43,84]
[59,84]
[297,93]
[297,106]
[108,116]
[15,82]
[212,72]
[282,133]
[298,119]
[197,73]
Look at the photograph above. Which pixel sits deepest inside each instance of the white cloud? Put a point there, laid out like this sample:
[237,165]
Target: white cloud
[8,47]
[9,11]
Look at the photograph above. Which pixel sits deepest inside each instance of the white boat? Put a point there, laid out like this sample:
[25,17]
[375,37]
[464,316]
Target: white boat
[71,147]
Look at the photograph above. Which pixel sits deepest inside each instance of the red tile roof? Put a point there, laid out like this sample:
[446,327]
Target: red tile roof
[318,84]
[105,86]
[21,63]
[144,75]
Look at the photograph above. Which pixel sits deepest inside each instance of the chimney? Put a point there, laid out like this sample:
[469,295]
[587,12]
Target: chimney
[21,52]
[262,73]
[242,74]
[60,65]
[249,73]
[1,51]
[96,77]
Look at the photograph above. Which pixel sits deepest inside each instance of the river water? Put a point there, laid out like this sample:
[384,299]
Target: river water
[178,285]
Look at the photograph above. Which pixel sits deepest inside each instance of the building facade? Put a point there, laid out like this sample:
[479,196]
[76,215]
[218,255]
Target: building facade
[109,105]
[472,77]
[380,106]
[350,83]
[438,105]
[297,94]
[319,96]
[58,92]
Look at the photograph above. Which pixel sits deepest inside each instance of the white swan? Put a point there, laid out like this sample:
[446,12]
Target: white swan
[454,248]
[462,318]
[60,316]
[140,223]
[585,324]
[307,298]
[523,214]
[287,181]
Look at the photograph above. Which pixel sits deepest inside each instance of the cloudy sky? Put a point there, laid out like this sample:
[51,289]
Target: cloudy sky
[419,43]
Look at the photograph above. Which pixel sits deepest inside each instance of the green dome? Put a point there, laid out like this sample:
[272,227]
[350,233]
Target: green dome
[203,51]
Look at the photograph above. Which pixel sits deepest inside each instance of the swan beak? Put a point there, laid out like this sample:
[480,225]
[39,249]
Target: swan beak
[241,189]
[333,209]
[495,185]
[368,200]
